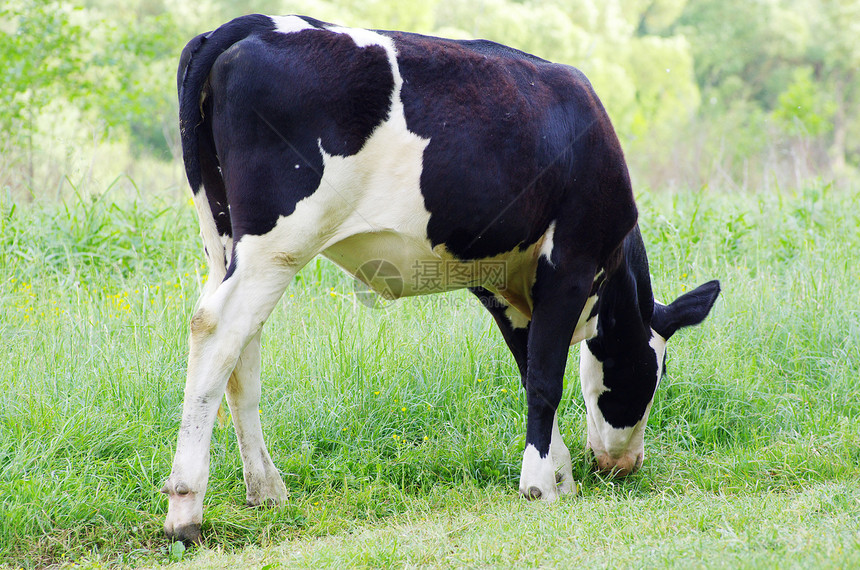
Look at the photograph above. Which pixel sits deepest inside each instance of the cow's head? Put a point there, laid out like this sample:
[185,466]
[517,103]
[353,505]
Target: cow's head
[621,367]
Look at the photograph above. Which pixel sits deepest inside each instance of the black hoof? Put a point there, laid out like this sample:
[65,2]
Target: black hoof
[534,493]
[188,534]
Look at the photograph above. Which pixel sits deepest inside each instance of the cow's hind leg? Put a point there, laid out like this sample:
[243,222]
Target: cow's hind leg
[225,323]
[515,330]
[263,483]
[559,295]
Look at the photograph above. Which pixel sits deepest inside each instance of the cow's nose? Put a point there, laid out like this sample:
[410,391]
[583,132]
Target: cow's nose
[618,466]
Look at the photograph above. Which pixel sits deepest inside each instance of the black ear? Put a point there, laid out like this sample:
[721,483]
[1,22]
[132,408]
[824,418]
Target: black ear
[687,310]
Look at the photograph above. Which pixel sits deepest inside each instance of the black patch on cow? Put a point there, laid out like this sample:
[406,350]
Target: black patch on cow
[629,372]
[195,63]
[210,173]
[274,96]
[501,125]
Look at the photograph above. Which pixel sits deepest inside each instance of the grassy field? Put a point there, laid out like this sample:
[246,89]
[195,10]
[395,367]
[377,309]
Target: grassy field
[399,432]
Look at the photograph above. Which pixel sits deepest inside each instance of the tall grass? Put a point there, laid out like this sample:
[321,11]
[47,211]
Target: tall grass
[374,414]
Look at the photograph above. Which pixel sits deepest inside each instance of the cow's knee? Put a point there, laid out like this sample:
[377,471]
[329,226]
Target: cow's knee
[203,323]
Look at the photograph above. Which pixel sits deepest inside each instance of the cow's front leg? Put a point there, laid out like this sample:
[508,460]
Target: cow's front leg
[515,330]
[559,297]
[546,471]
[263,483]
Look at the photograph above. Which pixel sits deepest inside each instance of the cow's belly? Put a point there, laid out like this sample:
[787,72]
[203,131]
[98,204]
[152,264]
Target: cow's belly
[400,265]
[396,265]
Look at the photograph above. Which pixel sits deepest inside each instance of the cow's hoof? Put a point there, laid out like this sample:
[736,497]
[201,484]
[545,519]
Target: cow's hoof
[535,493]
[537,477]
[266,493]
[564,483]
[268,503]
[187,533]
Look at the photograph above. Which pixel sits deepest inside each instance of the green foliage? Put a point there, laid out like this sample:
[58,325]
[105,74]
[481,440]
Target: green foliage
[802,108]
[132,82]
[756,93]
[794,60]
[739,46]
[40,58]
[116,67]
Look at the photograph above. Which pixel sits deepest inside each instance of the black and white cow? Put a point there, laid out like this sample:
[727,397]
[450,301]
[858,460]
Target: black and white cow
[301,137]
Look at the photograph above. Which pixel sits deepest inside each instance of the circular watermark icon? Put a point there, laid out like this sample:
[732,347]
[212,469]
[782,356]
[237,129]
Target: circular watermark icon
[377,283]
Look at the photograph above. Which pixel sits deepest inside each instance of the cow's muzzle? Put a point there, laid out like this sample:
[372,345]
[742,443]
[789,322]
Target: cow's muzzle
[621,466]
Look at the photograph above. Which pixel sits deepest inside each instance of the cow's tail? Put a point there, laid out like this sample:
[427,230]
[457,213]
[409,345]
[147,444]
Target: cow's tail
[198,146]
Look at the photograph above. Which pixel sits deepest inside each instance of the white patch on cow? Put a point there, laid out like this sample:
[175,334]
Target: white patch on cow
[560,459]
[363,37]
[227,241]
[290,24]
[658,344]
[547,245]
[515,318]
[585,328]
[214,244]
[622,448]
[537,476]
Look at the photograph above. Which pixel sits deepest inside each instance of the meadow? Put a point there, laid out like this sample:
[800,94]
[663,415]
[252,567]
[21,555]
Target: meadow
[399,431]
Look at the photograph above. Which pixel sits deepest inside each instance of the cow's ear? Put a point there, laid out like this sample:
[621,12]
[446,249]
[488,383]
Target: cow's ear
[687,310]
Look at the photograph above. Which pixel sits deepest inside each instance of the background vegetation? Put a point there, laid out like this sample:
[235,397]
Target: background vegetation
[399,432]
[729,93]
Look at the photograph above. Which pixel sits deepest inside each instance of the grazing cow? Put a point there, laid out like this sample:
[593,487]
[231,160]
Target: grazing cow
[486,166]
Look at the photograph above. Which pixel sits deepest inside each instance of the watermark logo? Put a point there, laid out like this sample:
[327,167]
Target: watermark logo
[379,282]
[384,275]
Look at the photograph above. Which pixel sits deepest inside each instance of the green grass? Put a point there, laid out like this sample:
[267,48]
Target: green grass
[605,528]
[399,432]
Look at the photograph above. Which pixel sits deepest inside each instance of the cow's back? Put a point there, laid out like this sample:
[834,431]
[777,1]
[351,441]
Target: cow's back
[513,142]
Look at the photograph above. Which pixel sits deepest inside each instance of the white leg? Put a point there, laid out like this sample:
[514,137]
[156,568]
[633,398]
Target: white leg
[220,329]
[263,483]
[561,460]
[547,477]
[537,476]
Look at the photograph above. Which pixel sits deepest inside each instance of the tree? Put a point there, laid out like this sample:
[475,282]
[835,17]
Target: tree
[41,61]
[116,68]
[834,54]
